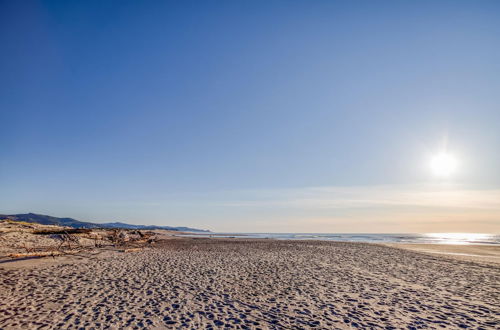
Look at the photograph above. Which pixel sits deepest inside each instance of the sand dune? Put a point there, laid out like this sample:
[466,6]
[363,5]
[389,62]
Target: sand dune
[200,283]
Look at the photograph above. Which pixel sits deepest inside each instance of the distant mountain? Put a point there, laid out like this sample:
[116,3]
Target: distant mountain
[148,227]
[69,222]
[48,220]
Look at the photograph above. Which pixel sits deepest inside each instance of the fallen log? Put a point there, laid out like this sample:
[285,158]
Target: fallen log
[62,231]
[42,254]
[132,250]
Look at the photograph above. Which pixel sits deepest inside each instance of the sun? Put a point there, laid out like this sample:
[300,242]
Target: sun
[443,164]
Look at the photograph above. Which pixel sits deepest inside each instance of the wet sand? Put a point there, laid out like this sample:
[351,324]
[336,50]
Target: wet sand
[487,253]
[240,283]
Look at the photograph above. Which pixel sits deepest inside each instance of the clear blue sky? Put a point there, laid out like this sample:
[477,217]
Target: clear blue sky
[227,114]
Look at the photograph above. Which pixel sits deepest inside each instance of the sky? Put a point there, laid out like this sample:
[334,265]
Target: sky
[252,116]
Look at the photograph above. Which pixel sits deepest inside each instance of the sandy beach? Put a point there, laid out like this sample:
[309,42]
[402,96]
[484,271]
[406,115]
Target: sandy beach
[239,283]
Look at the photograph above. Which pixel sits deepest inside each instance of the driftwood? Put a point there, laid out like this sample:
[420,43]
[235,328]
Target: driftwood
[62,231]
[68,241]
[132,250]
[52,251]
[42,254]
[118,237]
[28,249]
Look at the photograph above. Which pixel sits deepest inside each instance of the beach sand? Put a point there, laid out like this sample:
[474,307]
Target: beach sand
[241,283]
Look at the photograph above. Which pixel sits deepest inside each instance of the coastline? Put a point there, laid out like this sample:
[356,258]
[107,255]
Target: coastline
[382,238]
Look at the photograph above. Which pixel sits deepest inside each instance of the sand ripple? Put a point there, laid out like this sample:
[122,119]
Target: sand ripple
[247,284]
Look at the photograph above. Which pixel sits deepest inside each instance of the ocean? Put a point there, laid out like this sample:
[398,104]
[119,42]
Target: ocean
[429,238]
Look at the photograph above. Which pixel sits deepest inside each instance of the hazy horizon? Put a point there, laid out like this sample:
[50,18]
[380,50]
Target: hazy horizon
[262,116]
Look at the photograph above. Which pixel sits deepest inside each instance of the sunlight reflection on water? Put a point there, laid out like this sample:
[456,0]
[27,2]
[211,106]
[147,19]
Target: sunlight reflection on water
[429,238]
[459,238]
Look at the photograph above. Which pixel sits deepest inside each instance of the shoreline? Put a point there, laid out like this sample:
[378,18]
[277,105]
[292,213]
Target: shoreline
[481,252]
[470,252]
[379,238]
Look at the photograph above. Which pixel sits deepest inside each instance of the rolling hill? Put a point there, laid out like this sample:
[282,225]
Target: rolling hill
[69,222]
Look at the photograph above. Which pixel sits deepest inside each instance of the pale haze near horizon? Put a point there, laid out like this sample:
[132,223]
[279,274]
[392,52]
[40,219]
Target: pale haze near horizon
[263,116]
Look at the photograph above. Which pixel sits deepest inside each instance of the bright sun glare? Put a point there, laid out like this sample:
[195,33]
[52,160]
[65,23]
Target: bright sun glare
[443,165]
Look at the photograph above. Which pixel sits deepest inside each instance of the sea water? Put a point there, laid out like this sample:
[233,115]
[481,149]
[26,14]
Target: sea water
[429,238]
